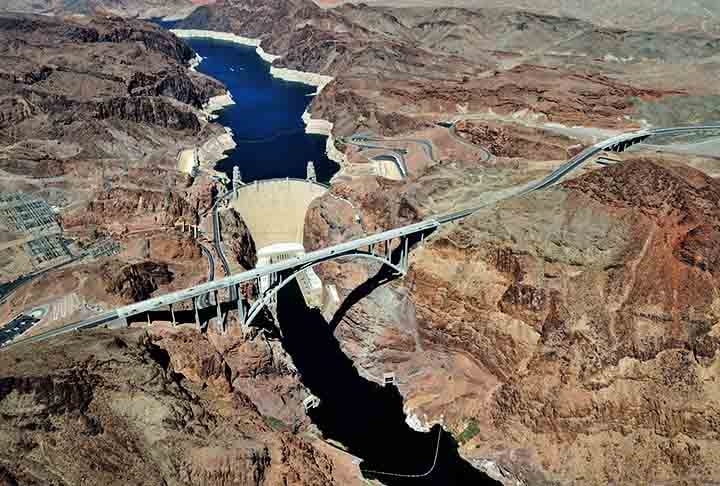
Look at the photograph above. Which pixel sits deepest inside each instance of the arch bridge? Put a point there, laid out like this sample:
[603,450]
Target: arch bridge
[390,248]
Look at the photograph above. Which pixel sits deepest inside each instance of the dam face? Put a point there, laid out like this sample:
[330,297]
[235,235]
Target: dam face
[274,209]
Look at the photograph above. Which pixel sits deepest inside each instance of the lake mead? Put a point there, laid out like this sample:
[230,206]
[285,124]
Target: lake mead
[266,118]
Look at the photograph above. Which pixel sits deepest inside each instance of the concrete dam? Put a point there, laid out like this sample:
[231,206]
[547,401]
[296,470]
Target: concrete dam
[274,209]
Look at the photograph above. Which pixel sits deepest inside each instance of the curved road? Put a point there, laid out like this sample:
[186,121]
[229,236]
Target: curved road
[204,301]
[366,143]
[217,242]
[426,144]
[453,133]
[617,143]
[211,262]
[370,142]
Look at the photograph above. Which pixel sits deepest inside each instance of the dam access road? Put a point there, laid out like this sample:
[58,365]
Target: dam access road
[286,271]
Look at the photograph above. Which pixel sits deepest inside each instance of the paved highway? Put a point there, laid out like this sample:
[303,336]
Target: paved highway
[426,144]
[618,143]
[365,142]
[10,288]
[211,262]
[453,133]
[217,241]
[211,272]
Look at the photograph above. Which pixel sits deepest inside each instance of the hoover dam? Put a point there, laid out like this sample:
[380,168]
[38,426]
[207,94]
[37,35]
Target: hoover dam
[274,209]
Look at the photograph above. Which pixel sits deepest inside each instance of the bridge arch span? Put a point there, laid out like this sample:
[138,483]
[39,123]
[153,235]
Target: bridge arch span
[271,293]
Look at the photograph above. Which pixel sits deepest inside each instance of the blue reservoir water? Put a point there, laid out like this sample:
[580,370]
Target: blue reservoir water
[266,119]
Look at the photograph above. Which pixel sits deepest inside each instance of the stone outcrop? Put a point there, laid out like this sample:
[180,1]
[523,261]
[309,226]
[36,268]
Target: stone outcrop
[506,140]
[97,30]
[237,234]
[189,88]
[136,282]
[174,249]
[140,109]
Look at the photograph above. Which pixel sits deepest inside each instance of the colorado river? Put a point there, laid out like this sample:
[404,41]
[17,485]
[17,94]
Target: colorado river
[366,418]
[266,118]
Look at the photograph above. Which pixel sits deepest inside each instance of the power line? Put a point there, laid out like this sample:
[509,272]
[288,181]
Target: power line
[429,471]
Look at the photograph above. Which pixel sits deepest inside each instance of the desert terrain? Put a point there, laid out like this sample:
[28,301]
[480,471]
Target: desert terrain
[569,336]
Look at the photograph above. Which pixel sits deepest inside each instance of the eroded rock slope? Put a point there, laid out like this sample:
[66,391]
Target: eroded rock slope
[570,335]
[116,408]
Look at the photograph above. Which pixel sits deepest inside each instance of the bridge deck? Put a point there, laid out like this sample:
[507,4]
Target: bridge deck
[348,247]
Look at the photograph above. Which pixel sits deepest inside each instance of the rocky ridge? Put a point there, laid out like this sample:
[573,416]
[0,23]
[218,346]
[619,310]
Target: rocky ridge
[579,318]
[153,418]
[236,232]
[92,116]
[140,8]
[531,326]
[138,281]
[397,64]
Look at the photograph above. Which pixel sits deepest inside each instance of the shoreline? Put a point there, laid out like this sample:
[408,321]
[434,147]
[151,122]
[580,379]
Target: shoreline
[319,126]
[195,62]
[217,103]
[207,155]
[313,126]
[227,36]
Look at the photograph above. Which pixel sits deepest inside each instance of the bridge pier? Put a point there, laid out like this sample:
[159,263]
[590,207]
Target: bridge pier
[403,258]
[197,313]
[220,325]
[266,284]
[120,323]
[406,259]
[234,292]
[242,311]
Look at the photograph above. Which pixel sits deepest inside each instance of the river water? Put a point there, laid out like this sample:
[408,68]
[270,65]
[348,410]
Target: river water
[267,118]
[368,419]
[365,417]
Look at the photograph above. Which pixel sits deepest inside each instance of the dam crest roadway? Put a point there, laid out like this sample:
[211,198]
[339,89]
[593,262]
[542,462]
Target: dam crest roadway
[391,248]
